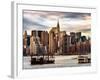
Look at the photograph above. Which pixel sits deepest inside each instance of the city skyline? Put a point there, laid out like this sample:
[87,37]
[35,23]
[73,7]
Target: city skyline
[56,41]
[45,20]
[50,37]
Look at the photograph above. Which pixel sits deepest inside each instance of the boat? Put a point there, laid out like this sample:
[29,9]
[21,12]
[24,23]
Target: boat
[84,59]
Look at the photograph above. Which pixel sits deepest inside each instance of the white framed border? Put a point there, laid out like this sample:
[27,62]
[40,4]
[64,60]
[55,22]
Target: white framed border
[16,66]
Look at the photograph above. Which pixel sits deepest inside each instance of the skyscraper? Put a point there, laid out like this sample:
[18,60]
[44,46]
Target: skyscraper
[52,45]
[24,43]
[72,34]
[25,39]
[44,38]
[54,39]
[78,36]
[68,41]
[32,44]
[62,42]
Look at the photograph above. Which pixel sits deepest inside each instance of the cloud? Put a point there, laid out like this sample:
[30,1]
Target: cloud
[79,16]
[44,20]
[29,24]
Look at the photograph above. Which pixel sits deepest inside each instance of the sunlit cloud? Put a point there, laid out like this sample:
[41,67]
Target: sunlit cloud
[45,20]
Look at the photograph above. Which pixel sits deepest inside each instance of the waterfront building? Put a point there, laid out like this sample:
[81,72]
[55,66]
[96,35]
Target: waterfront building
[54,39]
[24,42]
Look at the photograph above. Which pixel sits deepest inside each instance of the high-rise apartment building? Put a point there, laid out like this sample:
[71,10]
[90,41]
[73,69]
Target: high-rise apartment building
[54,39]
[24,43]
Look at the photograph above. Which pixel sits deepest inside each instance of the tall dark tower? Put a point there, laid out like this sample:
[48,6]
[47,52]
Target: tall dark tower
[58,26]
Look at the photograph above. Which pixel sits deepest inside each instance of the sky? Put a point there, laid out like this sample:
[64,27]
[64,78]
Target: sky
[45,20]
